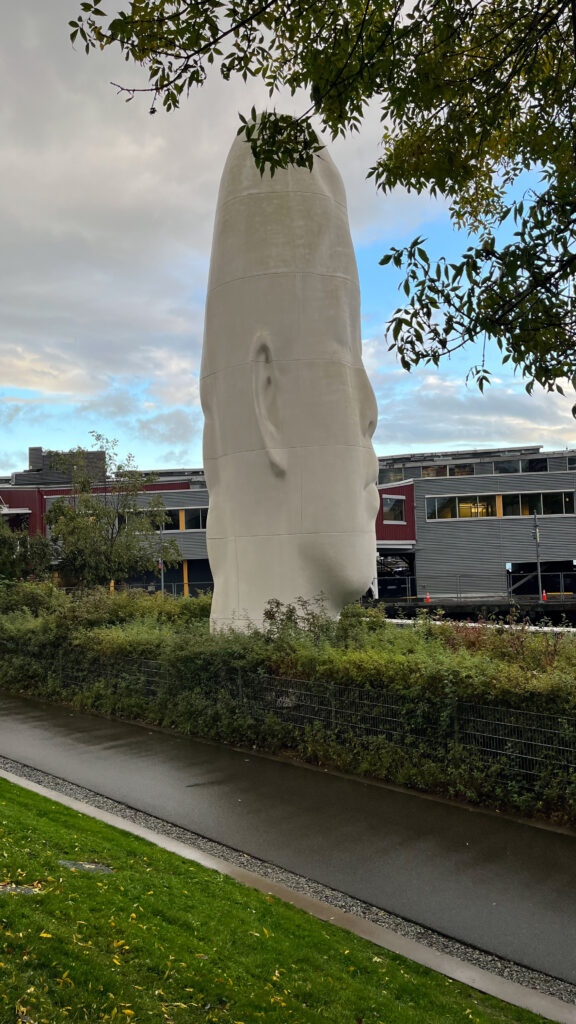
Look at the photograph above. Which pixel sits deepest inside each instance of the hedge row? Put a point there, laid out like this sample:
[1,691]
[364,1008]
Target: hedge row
[155,661]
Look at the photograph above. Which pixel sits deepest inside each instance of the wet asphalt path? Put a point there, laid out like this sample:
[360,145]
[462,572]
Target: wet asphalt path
[490,882]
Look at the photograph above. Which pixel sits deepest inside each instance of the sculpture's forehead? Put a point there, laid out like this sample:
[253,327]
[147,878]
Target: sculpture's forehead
[241,177]
[295,222]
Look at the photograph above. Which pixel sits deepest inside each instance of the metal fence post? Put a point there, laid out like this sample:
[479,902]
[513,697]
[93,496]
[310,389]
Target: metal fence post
[455,723]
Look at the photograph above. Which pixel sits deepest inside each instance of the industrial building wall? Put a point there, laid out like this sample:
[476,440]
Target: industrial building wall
[469,556]
[189,498]
[192,543]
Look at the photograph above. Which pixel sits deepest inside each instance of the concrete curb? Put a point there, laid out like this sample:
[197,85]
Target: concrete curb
[508,991]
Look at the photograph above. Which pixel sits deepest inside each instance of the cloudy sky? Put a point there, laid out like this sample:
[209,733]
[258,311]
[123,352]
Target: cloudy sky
[105,225]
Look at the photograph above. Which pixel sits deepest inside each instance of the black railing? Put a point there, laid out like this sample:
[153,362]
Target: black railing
[525,742]
[478,586]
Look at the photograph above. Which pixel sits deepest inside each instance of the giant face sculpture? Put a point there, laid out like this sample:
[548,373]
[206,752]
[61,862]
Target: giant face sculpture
[289,411]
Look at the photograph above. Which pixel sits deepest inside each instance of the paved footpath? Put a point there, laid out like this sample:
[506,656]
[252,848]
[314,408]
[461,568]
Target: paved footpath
[488,881]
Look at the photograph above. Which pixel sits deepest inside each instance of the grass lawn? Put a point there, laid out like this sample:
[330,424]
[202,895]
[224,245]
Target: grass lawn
[163,939]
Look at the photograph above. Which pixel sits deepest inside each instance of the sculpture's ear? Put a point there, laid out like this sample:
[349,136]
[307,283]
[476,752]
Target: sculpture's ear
[265,394]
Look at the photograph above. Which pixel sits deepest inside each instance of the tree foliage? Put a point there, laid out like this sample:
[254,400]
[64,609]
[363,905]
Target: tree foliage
[22,555]
[103,531]
[472,94]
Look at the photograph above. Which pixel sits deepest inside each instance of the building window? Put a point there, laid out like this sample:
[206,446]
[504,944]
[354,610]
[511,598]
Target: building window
[393,509]
[486,506]
[461,469]
[467,508]
[477,507]
[553,503]
[572,462]
[558,503]
[550,503]
[507,466]
[481,506]
[390,476]
[172,519]
[441,508]
[534,465]
[530,504]
[446,508]
[434,471]
[195,518]
[511,504]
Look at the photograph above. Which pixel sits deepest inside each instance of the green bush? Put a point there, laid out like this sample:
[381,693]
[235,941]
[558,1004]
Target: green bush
[151,658]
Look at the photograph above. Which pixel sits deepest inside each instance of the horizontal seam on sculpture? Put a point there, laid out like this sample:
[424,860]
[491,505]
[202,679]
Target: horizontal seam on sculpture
[276,273]
[288,192]
[294,448]
[295,359]
[297,533]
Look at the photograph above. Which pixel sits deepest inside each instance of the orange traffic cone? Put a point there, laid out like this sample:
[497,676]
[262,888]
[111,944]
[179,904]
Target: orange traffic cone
[427,598]
[544,598]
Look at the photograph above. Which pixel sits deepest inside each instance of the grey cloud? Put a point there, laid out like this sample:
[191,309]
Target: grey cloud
[106,219]
[427,413]
[171,427]
[12,461]
[177,457]
[9,411]
[116,404]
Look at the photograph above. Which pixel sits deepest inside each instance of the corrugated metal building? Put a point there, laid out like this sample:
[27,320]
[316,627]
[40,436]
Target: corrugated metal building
[467,524]
[451,524]
[27,496]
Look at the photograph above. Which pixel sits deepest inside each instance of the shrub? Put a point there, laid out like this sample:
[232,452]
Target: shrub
[153,659]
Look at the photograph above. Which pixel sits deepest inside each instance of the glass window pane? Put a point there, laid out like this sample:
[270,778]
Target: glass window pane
[468,507]
[534,465]
[553,503]
[572,462]
[568,503]
[173,519]
[204,518]
[392,509]
[511,504]
[486,505]
[530,504]
[192,519]
[461,469]
[434,471]
[431,508]
[390,476]
[507,466]
[446,508]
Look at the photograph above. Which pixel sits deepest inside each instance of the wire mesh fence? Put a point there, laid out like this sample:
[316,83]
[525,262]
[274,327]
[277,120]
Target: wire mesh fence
[525,742]
[340,709]
[528,740]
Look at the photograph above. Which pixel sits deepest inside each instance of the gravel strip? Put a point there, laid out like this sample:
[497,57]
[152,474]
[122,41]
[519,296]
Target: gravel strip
[486,961]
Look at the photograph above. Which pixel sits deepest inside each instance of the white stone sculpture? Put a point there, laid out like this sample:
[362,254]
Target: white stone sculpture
[289,410]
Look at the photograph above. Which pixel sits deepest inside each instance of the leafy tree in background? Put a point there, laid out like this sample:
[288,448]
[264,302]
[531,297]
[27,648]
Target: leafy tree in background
[472,93]
[100,531]
[22,555]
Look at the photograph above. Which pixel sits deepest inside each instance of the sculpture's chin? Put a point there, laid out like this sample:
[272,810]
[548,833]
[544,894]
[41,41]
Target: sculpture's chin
[251,571]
